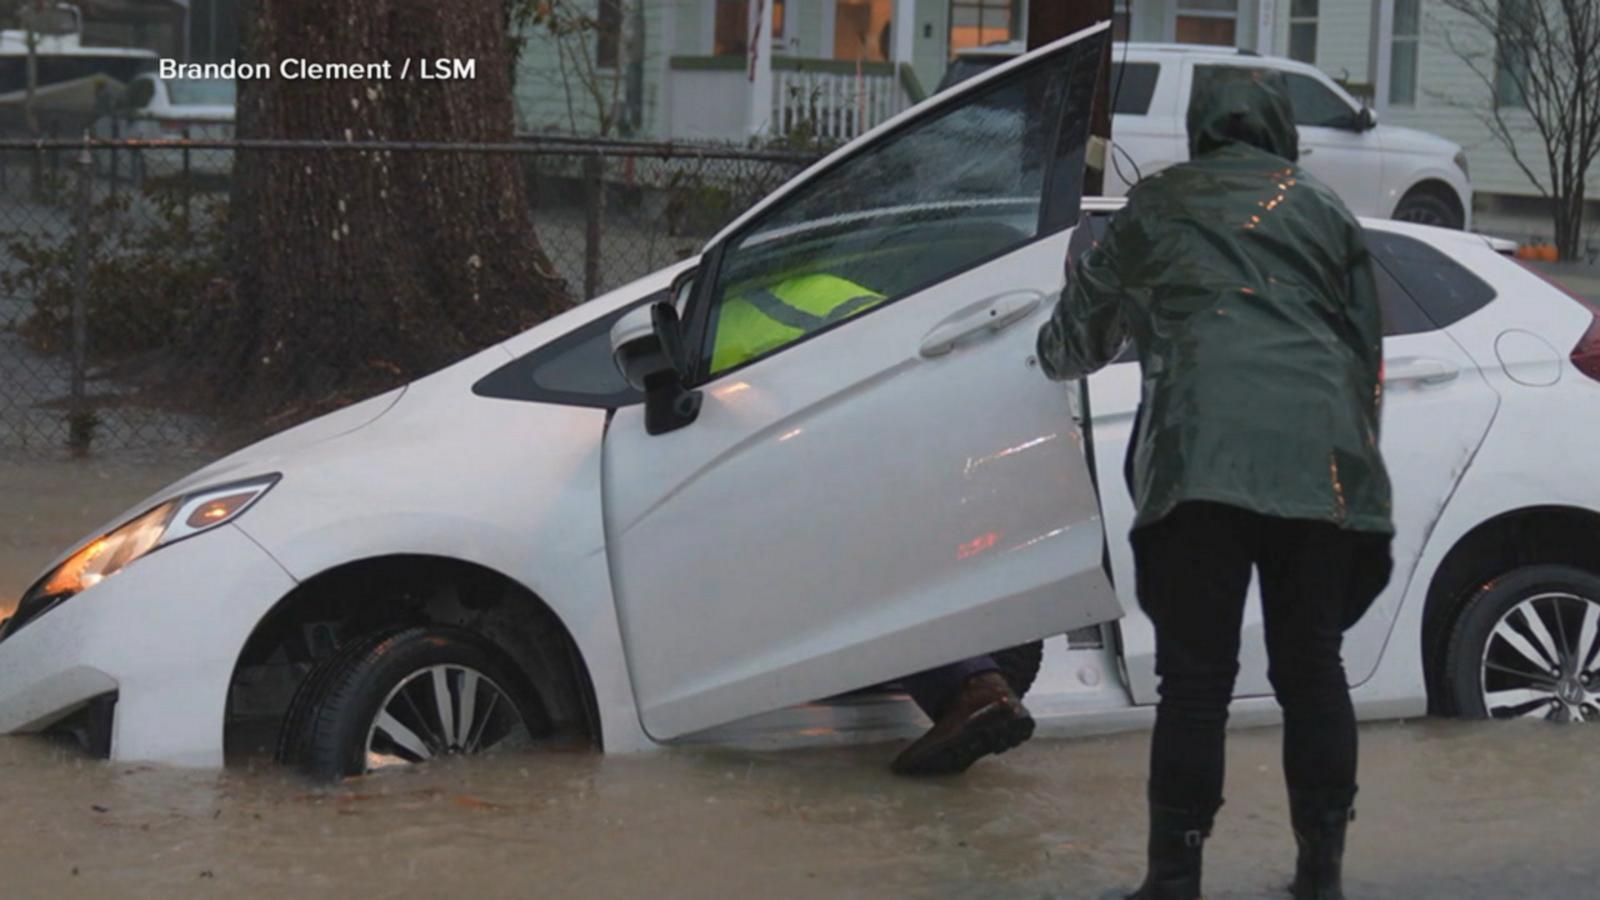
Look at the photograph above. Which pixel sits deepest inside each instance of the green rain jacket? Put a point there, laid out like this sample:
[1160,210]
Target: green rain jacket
[1246,287]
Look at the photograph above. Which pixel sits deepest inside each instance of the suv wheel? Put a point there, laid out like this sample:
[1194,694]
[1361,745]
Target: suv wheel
[404,697]
[1527,645]
[1427,208]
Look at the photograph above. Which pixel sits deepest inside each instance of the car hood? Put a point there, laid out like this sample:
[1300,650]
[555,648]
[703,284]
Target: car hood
[1398,139]
[263,457]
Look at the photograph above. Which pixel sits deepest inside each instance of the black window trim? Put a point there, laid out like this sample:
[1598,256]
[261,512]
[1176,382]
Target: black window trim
[1440,324]
[697,329]
[514,380]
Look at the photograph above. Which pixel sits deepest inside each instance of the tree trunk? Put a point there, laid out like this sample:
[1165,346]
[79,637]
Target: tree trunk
[353,271]
[1567,219]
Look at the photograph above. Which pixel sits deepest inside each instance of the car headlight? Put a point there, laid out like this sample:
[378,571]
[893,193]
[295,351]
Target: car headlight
[166,523]
[1461,163]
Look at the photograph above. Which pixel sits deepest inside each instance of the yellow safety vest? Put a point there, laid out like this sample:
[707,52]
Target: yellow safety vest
[761,320]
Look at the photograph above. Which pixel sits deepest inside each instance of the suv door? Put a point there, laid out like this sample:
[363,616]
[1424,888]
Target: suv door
[892,485]
[1334,144]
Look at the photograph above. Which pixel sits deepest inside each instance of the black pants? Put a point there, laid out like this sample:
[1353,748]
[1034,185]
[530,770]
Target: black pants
[1193,570]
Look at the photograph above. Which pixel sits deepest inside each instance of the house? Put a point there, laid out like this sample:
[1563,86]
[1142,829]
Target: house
[679,69]
[683,70]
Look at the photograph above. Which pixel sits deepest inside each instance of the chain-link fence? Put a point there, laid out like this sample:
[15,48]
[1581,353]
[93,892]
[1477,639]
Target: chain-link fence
[111,251]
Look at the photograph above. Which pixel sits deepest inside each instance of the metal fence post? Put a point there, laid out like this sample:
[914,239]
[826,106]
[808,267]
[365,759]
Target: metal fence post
[594,181]
[80,419]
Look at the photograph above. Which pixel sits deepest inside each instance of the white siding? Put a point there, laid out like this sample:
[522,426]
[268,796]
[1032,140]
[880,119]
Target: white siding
[1450,98]
[550,100]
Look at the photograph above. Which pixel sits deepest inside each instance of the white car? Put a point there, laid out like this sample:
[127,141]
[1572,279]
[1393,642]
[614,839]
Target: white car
[156,108]
[1378,170]
[595,527]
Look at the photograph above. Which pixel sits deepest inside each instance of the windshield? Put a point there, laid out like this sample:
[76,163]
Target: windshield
[201,91]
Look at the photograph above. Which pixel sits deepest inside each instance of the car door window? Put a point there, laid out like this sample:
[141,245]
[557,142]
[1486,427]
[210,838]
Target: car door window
[947,192]
[1313,102]
[1445,290]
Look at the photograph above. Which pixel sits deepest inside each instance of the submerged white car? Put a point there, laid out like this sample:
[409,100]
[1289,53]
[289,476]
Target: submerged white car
[607,526]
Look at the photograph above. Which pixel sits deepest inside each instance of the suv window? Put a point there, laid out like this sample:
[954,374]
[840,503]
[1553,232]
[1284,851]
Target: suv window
[1133,85]
[1446,291]
[1313,102]
[947,192]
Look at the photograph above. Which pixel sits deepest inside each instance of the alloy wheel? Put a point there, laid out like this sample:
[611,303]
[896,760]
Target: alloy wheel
[442,710]
[1542,660]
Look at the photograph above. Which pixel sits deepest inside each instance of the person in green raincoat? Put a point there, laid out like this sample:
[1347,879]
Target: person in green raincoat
[1247,290]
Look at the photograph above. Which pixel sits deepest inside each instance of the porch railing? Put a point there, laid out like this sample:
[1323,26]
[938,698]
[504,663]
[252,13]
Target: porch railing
[832,100]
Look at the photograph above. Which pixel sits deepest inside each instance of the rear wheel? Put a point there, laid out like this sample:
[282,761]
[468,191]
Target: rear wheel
[1527,645]
[405,697]
[1425,207]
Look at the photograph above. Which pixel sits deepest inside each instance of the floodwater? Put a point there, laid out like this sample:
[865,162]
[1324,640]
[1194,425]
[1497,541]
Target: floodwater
[1447,809]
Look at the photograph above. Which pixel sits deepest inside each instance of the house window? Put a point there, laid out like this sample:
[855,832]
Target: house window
[1511,55]
[861,30]
[1303,30]
[974,23]
[608,34]
[731,33]
[1207,22]
[1403,52]
[1121,20]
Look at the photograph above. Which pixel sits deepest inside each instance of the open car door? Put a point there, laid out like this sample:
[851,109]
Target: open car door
[880,480]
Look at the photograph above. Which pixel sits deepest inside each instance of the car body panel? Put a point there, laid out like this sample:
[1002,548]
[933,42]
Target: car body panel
[164,634]
[849,510]
[1431,431]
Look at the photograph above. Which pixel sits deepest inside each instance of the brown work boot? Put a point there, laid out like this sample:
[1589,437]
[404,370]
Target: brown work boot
[986,717]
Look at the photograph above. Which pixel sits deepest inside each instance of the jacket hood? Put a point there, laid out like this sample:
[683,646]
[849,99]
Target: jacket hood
[1247,106]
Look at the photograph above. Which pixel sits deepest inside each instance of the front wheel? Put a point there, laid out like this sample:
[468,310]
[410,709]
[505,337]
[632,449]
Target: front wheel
[407,697]
[1527,645]
[1426,208]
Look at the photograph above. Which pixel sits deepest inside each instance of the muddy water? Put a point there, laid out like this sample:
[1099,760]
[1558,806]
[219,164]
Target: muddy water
[1448,810]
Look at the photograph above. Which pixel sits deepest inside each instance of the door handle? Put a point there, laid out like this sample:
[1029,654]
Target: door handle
[985,319]
[1420,370]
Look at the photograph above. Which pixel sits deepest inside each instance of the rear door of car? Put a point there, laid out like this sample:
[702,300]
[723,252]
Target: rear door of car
[893,489]
[1437,410]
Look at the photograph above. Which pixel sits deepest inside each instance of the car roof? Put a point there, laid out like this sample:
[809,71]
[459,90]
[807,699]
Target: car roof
[1439,237]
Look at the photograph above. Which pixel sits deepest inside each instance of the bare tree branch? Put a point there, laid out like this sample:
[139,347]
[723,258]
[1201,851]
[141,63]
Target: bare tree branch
[1549,52]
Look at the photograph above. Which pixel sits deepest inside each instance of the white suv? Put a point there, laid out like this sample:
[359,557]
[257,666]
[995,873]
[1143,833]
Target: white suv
[1380,170]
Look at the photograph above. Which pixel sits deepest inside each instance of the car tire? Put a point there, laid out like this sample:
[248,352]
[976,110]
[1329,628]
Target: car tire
[1549,611]
[1428,208]
[333,727]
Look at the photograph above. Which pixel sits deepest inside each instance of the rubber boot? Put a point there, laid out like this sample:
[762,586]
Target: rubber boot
[1320,820]
[1177,837]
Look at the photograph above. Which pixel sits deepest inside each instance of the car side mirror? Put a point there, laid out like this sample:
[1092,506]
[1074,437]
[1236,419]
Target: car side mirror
[1365,120]
[647,346]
